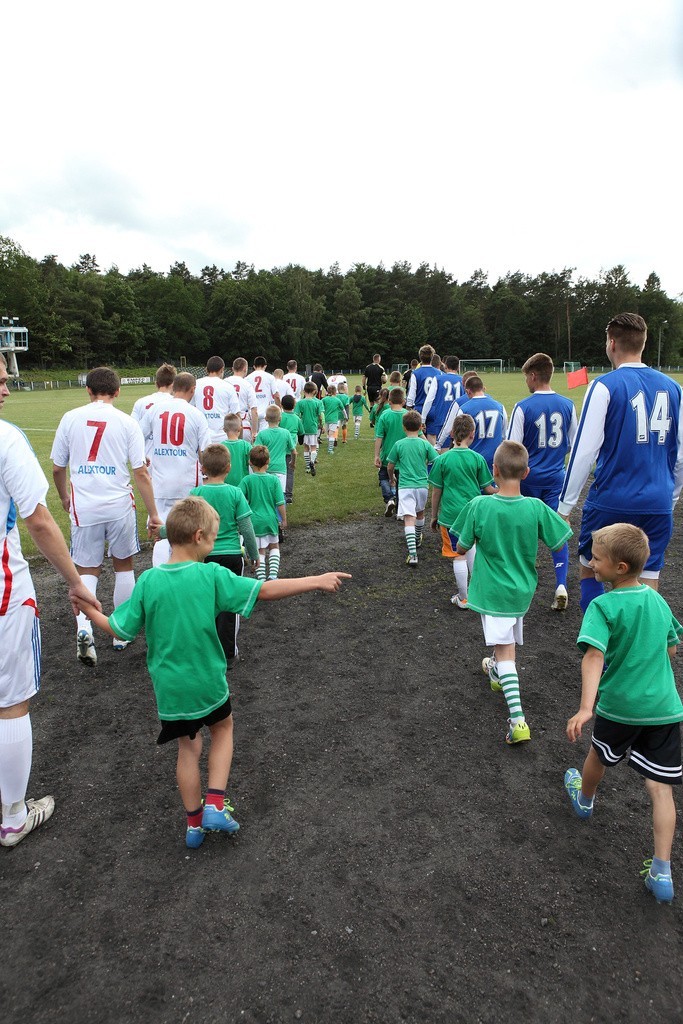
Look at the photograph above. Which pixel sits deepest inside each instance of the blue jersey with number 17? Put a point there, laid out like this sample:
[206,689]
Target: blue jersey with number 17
[631,427]
[545,423]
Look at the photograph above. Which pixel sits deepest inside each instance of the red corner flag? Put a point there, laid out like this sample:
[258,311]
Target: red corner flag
[577,378]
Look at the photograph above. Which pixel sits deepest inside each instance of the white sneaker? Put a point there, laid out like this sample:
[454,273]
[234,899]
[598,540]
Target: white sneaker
[561,599]
[86,652]
[119,645]
[38,812]
[459,602]
[411,560]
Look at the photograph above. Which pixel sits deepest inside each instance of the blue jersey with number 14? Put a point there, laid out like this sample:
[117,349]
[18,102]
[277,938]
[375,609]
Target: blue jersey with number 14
[631,427]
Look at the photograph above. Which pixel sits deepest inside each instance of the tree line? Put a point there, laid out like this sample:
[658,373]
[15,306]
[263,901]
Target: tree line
[80,316]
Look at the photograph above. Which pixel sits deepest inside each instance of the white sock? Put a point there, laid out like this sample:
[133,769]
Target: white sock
[460,573]
[82,621]
[16,750]
[161,553]
[123,586]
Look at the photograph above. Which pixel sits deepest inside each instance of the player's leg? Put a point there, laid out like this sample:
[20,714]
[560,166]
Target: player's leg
[307,456]
[591,519]
[190,787]
[420,519]
[331,437]
[273,560]
[504,634]
[217,816]
[227,623]
[356,427]
[19,681]
[406,508]
[87,552]
[122,537]
[289,478]
[262,555]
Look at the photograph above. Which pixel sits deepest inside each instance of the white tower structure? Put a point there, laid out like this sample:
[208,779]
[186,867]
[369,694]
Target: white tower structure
[13,339]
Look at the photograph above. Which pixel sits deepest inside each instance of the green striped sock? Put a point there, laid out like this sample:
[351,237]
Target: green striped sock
[261,567]
[410,540]
[273,564]
[509,680]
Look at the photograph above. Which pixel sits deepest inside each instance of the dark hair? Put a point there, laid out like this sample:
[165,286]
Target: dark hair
[215,364]
[216,460]
[318,368]
[259,362]
[291,365]
[629,331]
[540,364]
[452,363]
[426,353]
[310,388]
[165,375]
[463,427]
[103,381]
[474,383]
[397,396]
[184,382]
[287,402]
[259,456]
[411,420]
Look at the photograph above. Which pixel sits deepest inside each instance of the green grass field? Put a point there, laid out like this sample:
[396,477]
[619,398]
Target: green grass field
[345,486]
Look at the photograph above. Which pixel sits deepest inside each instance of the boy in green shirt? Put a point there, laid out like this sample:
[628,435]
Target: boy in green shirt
[506,528]
[388,430]
[234,519]
[279,443]
[238,447]
[334,412]
[291,422]
[411,456]
[358,403]
[177,605]
[629,637]
[457,476]
[310,412]
[266,499]
[343,395]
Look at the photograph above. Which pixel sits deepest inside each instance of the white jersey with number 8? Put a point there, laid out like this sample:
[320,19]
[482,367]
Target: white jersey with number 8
[215,398]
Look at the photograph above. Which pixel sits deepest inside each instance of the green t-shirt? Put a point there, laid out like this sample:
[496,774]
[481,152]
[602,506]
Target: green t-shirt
[389,427]
[264,493]
[358,403]
[279,443]
[410,456]
[506,532]
[177,605]
[309,411]
[461,475]
[231,506]
[239,460]
[633,626]
[333,408]
[345,400]
[291,422]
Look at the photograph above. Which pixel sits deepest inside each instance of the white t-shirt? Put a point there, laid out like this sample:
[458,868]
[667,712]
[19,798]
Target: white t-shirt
[139,410]
[247,398]
[336,379]
[265,388]
[97,442]
[295,383]
[215,398]
[22,488]
[179,432]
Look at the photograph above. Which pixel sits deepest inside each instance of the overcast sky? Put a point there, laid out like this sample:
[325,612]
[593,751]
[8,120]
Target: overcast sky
[530,136]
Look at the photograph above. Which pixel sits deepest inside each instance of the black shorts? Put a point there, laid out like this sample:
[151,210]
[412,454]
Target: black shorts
[191,726]
[655,749]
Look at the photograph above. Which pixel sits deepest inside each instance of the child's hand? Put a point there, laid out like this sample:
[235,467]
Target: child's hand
[330,582]
[378,465]
[576,724]
[434,524]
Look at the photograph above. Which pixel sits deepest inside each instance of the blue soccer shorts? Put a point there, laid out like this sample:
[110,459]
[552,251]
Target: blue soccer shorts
[658,527]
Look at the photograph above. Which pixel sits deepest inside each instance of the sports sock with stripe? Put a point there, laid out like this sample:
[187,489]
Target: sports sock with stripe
[273,564]
[509,680]
[410,540]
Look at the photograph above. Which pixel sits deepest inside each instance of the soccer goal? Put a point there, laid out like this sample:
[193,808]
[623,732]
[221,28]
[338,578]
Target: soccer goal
[481,365]
[569,367]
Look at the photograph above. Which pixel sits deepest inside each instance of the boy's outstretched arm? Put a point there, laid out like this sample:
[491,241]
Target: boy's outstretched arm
[329,583]
[591,673]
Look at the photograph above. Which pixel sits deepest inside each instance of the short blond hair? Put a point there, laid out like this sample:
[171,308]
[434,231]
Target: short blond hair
[232,422]
[186,517]
[624,542]
[273,414]
[512,460]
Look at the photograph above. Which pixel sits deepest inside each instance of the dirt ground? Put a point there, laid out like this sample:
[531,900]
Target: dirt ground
[396,862]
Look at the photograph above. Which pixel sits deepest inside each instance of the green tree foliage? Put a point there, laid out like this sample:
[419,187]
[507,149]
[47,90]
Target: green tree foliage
[78,316]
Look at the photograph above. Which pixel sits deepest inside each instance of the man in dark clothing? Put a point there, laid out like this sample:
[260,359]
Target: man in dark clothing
[372,378]
[319,379]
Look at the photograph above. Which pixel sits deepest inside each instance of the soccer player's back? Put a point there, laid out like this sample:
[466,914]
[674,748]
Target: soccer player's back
[545,423]
[215,398]
[489,417]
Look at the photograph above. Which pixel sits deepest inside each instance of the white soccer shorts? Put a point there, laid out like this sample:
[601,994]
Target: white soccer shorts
[499,630]
[311,440]
[332,429]
[266,541]
[19,655]
[411,500]
[120,536]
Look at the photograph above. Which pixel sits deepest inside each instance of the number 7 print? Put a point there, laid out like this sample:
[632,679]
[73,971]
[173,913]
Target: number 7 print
[97,440]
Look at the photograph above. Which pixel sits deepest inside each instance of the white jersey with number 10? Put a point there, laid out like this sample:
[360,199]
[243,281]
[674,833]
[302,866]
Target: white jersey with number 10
[179,432]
